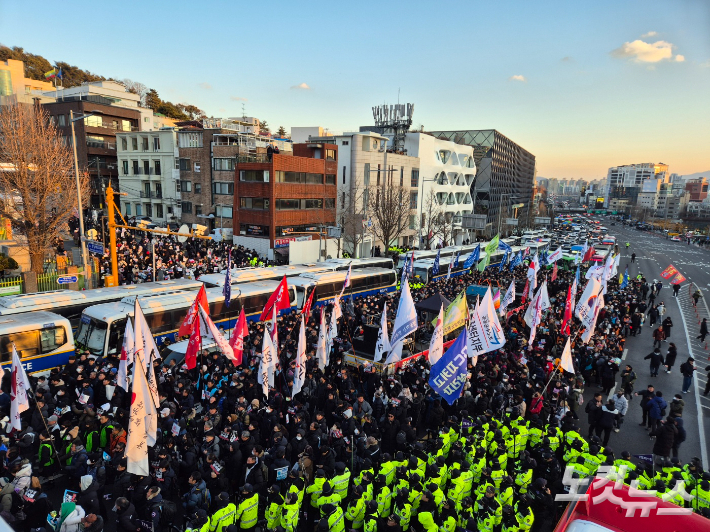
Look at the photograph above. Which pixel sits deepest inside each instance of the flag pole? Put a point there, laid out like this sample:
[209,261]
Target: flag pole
[49,433]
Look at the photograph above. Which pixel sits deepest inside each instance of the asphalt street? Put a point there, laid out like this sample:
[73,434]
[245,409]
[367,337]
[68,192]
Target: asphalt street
[653,254]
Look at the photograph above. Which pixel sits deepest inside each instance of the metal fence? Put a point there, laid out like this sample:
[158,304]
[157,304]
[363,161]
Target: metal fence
[11,286]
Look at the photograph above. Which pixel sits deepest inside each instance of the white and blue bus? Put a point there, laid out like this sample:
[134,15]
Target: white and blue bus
[70,303]
[363,282]
[43,340]
[358,264]
[276,273]
[102,326]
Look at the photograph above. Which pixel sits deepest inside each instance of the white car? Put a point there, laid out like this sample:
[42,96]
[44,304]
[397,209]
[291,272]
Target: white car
[676,239]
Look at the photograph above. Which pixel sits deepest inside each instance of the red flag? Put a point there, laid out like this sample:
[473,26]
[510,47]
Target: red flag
[279,299]
[201,299]
[669,272]
[554,273]
[678,279]
[237,339]
[567,319]
[589,254]
[307,307]
[193,346]
[525,291]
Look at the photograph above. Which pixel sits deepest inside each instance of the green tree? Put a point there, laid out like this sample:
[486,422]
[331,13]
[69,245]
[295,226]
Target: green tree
[192,111]
[281,132]
[263,126]
[152,100]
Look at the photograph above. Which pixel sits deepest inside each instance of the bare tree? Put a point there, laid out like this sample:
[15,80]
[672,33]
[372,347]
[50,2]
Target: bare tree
[38,184]
[389,207]
[444,224]
[431,209]
[350,218]
[136,87]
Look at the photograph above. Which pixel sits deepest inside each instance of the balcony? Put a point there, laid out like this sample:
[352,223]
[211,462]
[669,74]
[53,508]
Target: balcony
[101,145]
[151,195]
[259,158]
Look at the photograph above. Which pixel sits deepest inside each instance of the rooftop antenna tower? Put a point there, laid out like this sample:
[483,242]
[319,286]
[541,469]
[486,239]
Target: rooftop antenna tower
[394,120]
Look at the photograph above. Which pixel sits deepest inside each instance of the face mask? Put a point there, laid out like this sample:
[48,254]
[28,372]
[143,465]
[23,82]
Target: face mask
[299,438]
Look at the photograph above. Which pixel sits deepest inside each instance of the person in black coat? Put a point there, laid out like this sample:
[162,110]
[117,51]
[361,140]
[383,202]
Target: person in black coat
[665,435]
[609,415]
[671,356]
[593,410]
[646,395]
[389,430]
[88,499]
[325,460]
[126,513]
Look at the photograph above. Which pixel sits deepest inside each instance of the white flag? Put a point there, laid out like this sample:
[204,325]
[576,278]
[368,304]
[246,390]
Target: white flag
[383,338]
[544,301]
[508,298]
[436,344]
[337,310]
[152,422]
[594,271]
[127,352]
[589,330]
[406,321]
[275,329]
[554,257]
[490,326]
[267,365]
[321,353]
[144,341]
[474,337]
[143,416]
[448,273]
[219,338]
[566,359]
[332,333]
[18,391]
[299,376]
[585,306]
[395,354]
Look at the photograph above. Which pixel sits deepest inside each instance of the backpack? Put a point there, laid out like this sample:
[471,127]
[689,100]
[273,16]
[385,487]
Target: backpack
[168,512]
[401,438]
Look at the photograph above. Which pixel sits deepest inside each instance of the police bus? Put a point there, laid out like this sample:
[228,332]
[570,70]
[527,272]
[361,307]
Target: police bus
[70,303]
[358,264]
[363,282]
[276,273]
[423,270]
[102,326]
[43,340]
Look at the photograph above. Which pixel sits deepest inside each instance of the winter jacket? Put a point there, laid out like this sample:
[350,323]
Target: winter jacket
[655,407]
[194,499]
[607,418]
[655,358]
[126,521]
[88,499]
[665,438]
[73,521]
[621,404]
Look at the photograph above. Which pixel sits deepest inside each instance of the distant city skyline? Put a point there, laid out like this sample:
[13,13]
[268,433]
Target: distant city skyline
[583,87]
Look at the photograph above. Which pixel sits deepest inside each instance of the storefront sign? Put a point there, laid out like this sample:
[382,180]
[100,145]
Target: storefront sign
[286,242]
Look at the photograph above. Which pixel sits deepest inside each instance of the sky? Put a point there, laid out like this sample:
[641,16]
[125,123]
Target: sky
[581,85]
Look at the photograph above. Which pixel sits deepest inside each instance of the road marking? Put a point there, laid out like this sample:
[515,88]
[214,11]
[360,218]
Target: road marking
[623,355]
[701,424]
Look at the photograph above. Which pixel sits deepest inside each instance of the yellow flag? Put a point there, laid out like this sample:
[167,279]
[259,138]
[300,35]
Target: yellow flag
[455,315]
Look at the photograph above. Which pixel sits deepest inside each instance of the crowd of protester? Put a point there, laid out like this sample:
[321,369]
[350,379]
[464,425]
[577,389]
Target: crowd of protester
[356,448]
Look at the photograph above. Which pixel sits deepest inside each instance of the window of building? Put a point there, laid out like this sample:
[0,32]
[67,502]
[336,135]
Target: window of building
[329,155]
[157,167]
[148,209]
[198,188]
[187,207]
[139,209]
[94,121]
[222,188]
[96,141]
[412,221]
[254,230]
[314,203]
[260,176]
[413,200]
[156,144]
[186,186]
[136,170]
[330,203]
[146,167]
[197,167]
[366,178]
[225,164]
[223,211]
[189,139]
[258,203]
[298,177]
[198,210]
[287,204]
[127,209]
[401,176]
[342,201]
[124,143]
[170,210]
[185,165]
[330,179]
[61,120]
[124,165]
[378,175]
[134,143]
[415,178]
[365,198]
[345,142]
[144,143]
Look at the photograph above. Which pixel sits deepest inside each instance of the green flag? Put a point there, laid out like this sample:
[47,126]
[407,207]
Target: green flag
[483,264]
[492,245]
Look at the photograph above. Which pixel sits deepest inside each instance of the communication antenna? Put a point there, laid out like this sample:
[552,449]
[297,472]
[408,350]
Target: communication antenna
[395,120]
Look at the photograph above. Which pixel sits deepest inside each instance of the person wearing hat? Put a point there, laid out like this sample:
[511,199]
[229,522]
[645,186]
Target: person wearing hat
[289,513]
[105,428]
[371,517]
[248,510]
[328,496]
[274,507]
[355,514]
[199,522]
[225,515]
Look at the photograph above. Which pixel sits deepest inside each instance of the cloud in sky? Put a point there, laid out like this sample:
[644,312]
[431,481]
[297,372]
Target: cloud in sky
[518,77]
[237,99]
[205,85]
[644,52]
[649,34]
[566,59]
[302,86]
[679,58]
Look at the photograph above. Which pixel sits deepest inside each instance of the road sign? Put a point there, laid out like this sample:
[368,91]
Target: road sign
[517,206]
[474,221]
[542,220]
[67,279]
[511,221]
[95,247]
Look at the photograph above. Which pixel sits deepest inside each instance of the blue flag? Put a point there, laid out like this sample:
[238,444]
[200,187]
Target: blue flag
[517,260]
[456,260]
[505,247]
[472,258]
[435,269]
[625,282]
[576,276]
[503,261]
[449,374]
[227,289]
[543,258]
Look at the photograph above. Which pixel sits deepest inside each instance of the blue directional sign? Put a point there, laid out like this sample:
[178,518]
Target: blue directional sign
[67,279]
[95,247]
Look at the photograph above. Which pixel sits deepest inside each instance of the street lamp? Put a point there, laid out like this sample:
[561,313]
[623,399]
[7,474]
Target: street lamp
[84,254]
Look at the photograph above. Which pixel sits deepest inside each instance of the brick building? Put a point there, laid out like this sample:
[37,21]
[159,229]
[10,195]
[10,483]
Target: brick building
[698,188]
[287,197]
